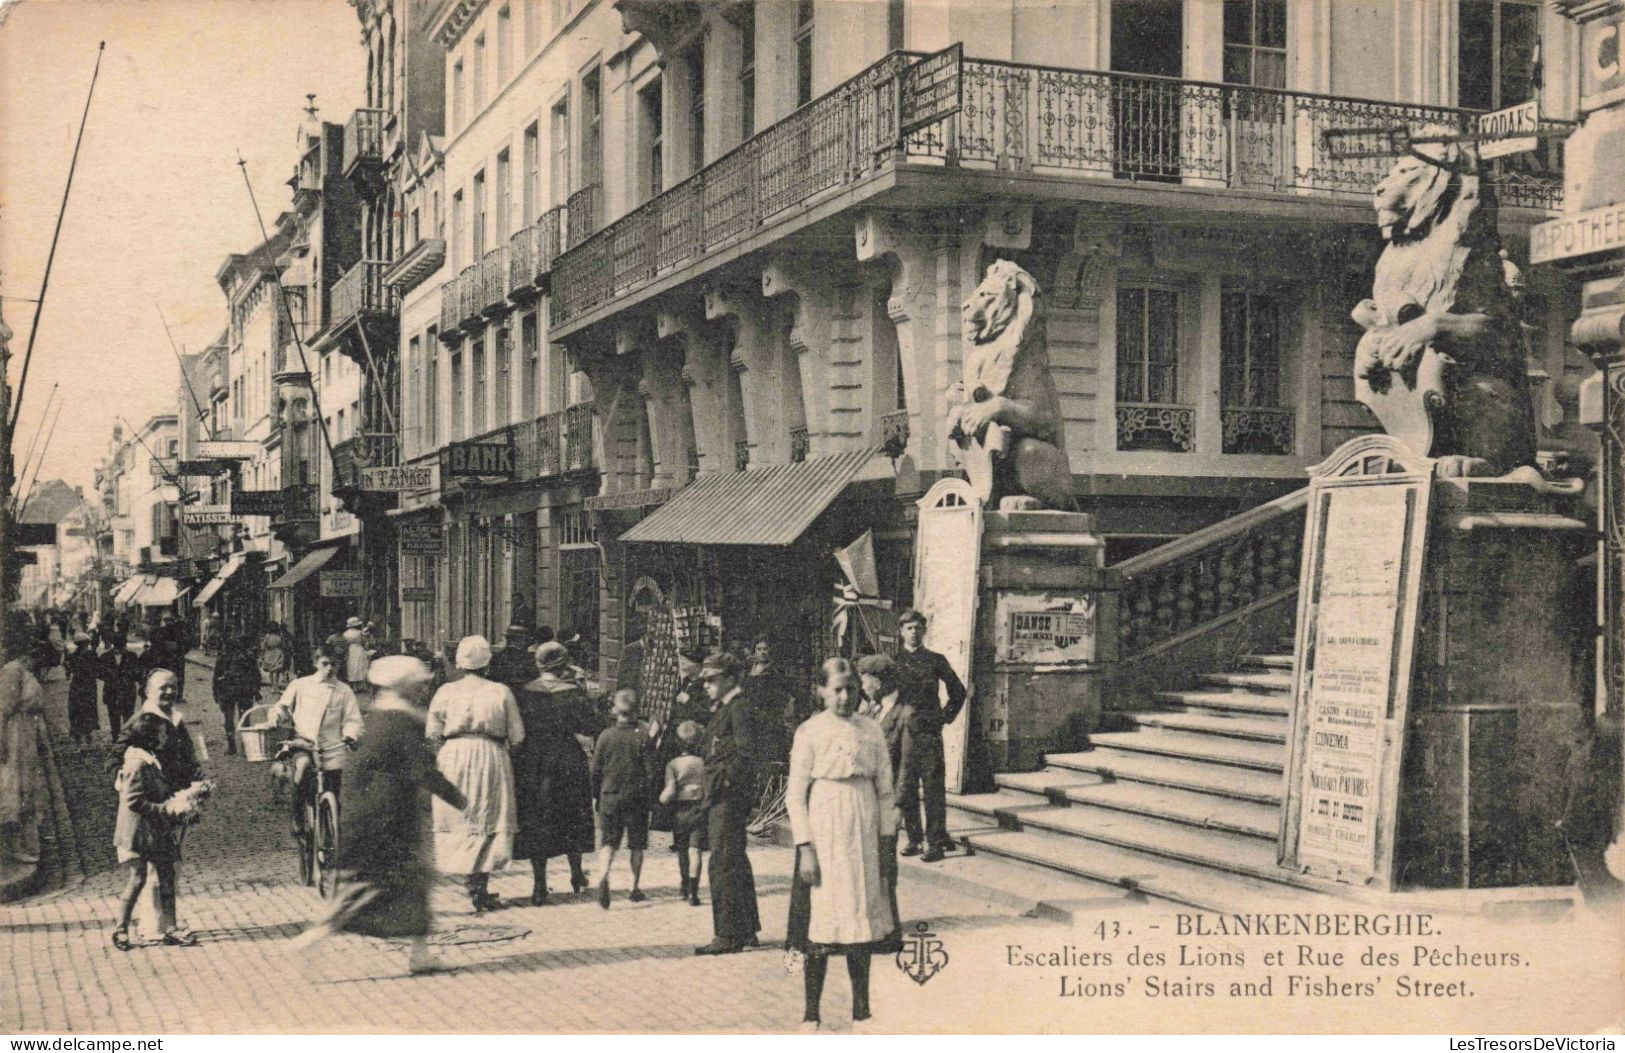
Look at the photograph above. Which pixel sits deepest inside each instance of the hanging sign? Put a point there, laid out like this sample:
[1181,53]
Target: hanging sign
[228,449]
[932,89]
[1511,130]
[256,502]
[209,515]
[465,459]
[417,593]
[1595,230]
[404,478]
[422,539]
[341,584]
[36,533]
[203,466]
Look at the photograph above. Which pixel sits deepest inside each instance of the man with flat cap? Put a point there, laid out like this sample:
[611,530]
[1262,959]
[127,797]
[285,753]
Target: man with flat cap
[513,665]
[730,794]
[920,673]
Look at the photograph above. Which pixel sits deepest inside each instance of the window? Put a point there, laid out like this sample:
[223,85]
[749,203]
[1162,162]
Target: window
[747,69]
[504,217]
[531,159]
[533,26]
[459,96]
[504,47]
[651,124]
[559,175]
[1250,336]
[477,217]
[457,231]
[530,354]
[694,70]
[592,128]
[558,379]
[504,378]
[457,431]
[478,76]
[477,379]
[804,52]
[431,392]
[439,216]
[414,359]
[1255,42]
[1148,371]
[1496,53]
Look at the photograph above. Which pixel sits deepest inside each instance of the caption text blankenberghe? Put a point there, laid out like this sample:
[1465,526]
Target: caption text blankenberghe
[1269,955]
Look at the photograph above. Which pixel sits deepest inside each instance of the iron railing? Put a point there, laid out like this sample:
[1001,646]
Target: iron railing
[301,503]
[1013,117]
[584,213]
[361,291]
[578,438]
[364,138]
[492,291]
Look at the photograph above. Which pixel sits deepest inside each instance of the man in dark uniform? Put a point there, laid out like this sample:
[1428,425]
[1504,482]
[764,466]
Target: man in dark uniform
[513,665]
[730,793]
[919,671]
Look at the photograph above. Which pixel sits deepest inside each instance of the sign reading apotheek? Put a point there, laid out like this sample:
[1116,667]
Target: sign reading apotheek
[341,584]
[465,459]
[256,502]
[228,449]
[1594,230]
[421,539]
[405,478]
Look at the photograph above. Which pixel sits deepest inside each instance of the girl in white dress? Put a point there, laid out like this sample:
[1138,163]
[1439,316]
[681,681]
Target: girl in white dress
[474,722]
[845,826]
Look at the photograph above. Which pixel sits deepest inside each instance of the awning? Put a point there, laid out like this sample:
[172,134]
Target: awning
[220,579]
[314,560]
[160,592]
[762,506]
[129,587]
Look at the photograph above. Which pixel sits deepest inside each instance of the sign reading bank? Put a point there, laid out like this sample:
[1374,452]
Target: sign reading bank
[466,459]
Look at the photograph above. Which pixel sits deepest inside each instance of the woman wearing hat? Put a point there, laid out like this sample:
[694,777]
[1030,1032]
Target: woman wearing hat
[357,653]
[82,665]
[473,722]
[387,872]
[550,770]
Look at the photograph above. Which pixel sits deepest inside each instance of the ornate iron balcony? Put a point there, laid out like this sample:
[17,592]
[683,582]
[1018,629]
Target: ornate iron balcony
[364,143]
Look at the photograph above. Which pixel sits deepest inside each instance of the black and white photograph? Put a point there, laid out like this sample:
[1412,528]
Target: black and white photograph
[534,517]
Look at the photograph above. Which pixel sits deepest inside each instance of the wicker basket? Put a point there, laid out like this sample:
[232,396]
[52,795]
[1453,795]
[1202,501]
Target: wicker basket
[259,743]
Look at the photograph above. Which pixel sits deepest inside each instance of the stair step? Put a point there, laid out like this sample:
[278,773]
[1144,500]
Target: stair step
[1275,682]
[1251,729]
[988,805]
[1201,810]
[1222,850]
[1170,879]
[1228,701]
[1238,783]
[1269,661]
[1210,749]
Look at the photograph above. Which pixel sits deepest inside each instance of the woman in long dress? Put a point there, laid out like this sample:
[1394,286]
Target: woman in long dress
[844,821]
[21,704]
[387,872]
[550,771]
[473,722]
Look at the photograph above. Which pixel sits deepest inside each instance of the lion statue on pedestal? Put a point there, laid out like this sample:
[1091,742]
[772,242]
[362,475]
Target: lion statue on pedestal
[1005,414]
[1443,362]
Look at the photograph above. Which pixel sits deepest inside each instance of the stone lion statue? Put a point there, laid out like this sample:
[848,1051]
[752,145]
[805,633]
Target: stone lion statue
[1005,414]
[1443,360]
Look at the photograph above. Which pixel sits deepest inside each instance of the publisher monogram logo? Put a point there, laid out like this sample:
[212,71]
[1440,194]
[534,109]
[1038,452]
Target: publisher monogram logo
[922,955]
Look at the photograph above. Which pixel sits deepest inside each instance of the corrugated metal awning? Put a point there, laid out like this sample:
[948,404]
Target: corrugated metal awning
[220,579]
[129,587]
[314,560]
[160,592]
[762,506]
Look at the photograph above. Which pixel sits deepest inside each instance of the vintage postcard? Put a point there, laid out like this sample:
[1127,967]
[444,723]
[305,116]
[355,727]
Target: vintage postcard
[849,516]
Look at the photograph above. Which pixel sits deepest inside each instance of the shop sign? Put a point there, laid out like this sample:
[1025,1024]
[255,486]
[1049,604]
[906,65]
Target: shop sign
[228,449]
[36,533]
[401,479]
[465,459]
[1509,131]
[203,466]
[421,539]
[932,89]
[209,515]
[1594,230]
[629,499]
[1602,78]
[417,593]
[1045,629]
[256,502]
[341,584]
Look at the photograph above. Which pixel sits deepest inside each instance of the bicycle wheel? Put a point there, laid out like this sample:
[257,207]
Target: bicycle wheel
[327,845]
[306,840]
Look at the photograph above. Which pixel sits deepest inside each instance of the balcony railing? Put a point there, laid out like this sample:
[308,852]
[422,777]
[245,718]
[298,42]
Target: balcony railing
[531,253]
[578,438]
[361,292]
[301,503]
[584,213]
[1066,123]
[364,139]
[450,308]
[492,291]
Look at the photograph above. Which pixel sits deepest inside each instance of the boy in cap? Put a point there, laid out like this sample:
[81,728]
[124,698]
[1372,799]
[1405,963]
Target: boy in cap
[620,785]
[684,792]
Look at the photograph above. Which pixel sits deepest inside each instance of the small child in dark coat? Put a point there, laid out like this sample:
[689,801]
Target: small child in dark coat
[684,793]
[620,785]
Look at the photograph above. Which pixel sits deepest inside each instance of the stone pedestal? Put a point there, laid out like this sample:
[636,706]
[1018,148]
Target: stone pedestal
[1045,635]
[1500,700]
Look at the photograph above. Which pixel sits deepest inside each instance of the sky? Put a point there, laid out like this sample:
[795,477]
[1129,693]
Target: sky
[158,200]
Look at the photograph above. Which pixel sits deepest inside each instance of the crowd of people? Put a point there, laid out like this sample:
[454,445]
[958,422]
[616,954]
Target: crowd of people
[511,753]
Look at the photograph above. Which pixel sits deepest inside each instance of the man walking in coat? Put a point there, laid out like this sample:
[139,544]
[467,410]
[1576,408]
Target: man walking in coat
[730,793]
[919,671]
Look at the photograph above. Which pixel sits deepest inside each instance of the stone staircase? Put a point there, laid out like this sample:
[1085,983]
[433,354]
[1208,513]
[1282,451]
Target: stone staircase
[1183,806]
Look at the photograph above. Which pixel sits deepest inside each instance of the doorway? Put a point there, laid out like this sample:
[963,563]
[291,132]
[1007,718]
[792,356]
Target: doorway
[1147,41]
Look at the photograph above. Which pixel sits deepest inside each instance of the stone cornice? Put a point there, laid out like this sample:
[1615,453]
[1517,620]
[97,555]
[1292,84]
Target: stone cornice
[454,21]
[1588,10]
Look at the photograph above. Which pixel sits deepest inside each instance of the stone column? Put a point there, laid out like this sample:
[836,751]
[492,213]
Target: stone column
[658,379]
[769,384]
[704,348]
[809,296]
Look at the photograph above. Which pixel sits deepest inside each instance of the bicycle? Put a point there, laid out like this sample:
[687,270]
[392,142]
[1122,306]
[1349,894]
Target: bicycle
[316,823]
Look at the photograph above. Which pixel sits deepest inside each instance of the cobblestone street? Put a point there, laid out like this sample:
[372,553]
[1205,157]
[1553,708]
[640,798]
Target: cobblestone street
[567,966]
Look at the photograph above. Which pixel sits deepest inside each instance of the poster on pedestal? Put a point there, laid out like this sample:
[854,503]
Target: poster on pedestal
[1355,646]
[947,558]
